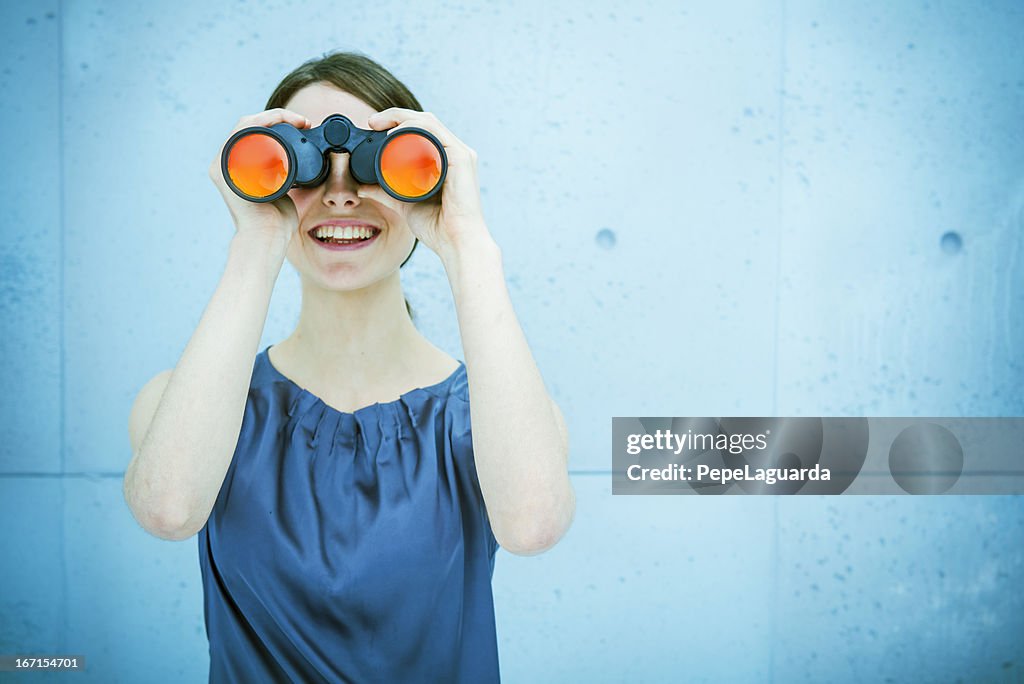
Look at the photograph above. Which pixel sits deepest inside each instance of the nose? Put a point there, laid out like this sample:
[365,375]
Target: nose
[340,187]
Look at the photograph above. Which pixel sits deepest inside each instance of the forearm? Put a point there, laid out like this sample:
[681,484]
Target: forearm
[521,458]
[179,469]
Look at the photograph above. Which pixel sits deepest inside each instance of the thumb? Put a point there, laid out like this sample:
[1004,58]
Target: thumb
[377,194]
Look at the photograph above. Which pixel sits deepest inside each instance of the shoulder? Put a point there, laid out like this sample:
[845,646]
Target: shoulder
[445,377]
[457,406]
[458,383]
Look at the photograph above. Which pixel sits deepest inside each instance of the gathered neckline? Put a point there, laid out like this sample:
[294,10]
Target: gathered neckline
[429,389]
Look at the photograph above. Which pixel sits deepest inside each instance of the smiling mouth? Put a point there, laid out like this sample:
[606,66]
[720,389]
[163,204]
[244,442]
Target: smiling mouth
[343,235]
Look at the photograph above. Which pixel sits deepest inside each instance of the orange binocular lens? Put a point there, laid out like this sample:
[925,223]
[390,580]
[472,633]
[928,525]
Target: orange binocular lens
[258,165]
[410,164]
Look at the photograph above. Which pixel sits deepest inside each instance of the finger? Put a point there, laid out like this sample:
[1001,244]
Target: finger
[399,118]
[280,115]
[274,116]
[391,116]
[375,193]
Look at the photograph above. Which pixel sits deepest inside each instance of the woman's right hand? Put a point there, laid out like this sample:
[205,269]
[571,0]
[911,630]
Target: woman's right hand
[277,219]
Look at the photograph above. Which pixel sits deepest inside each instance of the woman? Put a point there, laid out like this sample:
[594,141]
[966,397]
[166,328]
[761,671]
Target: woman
[348,513]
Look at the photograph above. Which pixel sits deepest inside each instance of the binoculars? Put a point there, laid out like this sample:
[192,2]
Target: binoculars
[262,163]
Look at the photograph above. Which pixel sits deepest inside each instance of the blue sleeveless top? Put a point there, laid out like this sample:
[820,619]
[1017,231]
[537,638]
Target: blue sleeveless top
[350,547]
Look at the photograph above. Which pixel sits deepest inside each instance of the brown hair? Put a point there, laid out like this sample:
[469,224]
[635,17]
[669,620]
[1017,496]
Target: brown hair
[357,75]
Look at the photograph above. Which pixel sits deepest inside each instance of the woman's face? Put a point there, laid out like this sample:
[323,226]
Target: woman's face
[341,197]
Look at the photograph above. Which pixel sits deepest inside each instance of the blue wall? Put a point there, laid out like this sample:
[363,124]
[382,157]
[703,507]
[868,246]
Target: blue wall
[705,209]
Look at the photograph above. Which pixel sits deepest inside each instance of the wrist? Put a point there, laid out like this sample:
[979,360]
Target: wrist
[473,265]
[472,246]
[258,252]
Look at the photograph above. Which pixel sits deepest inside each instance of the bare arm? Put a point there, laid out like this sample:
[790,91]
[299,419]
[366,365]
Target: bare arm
[185,423]
[520,442]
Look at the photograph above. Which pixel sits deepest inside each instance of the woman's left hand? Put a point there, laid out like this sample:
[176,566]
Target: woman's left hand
[453,217]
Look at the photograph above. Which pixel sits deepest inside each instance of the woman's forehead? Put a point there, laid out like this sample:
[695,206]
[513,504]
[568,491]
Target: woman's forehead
[319,100]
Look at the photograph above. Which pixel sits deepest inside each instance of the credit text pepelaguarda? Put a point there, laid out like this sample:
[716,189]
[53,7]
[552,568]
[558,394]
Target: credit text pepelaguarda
[704,474]
[700,443]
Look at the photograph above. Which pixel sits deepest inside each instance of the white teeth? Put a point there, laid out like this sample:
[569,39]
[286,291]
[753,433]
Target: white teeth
[343,232]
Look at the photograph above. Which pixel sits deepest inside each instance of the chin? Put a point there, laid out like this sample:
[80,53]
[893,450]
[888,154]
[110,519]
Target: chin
[342,277]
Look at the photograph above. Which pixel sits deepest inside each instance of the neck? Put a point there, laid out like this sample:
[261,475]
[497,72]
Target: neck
[354,334]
